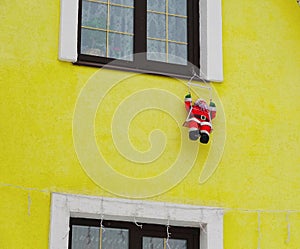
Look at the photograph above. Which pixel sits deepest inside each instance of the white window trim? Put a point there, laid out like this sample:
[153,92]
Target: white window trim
[68,30]
[211,59]
[211,50]
[64,206]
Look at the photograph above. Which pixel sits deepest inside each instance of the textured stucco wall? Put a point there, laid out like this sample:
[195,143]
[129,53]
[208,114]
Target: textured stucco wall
[257,179]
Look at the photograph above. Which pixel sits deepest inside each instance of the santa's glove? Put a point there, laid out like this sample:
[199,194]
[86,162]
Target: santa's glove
[212,104]
[188,96]
[213,109]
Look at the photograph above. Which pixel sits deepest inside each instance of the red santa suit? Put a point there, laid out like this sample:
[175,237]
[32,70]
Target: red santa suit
[199,119]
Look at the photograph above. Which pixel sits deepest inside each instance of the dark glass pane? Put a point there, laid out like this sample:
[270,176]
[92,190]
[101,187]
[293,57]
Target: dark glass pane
[177,29]
[160,243]
[115,238]
[156,50]
[85,237]
[121,19]
[93,42]
[177,243]
[120,46]
[123,2]
[177,53]
[153,243]
[156,5]
[156,26]
[177,7]
[94,14]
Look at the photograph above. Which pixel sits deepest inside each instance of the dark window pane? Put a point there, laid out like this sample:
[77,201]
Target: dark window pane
[93,42]
[85,237]
[177,7]
[177,29]
[94,14]
[177,243]
[156,5]
[156,26]
[156,50]
[115,238]
[120,46]
[153,243]
[161,243]
[177,53]
[121,19]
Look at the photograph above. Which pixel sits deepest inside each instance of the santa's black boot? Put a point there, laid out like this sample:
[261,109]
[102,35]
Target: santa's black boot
[204,138]
[194,135]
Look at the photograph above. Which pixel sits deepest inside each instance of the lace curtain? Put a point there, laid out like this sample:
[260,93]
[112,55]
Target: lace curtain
[107,29]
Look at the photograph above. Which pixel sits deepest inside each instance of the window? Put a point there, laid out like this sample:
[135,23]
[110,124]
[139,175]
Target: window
[196,226]
[87,233]
[167,31]
[96,32]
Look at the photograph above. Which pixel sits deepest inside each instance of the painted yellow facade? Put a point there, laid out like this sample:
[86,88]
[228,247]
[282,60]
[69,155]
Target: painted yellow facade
[257,179]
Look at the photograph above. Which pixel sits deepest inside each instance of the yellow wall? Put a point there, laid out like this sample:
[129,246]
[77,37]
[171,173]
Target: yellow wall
[257,179]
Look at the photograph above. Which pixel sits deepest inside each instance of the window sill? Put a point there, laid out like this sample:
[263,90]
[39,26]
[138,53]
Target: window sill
[156,68]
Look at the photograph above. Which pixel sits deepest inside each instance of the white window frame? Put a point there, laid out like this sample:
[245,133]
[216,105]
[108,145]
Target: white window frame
[211,59]
[64,206]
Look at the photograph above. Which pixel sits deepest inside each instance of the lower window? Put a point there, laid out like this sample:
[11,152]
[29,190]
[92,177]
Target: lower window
[90,222]
[97,234]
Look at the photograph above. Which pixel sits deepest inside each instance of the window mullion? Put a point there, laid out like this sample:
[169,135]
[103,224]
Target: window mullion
[107,29]
[193,32]
[140,27]
[100,237]
[135,237]
[167,31]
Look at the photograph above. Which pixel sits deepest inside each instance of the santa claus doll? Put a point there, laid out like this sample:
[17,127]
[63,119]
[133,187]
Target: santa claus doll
[199,118]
